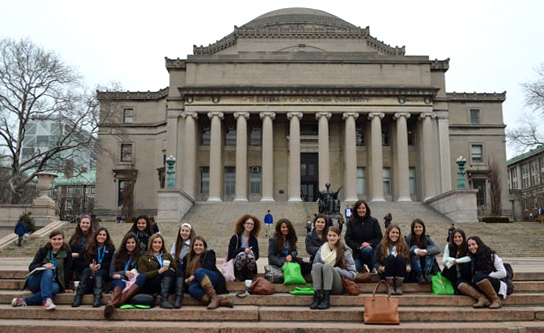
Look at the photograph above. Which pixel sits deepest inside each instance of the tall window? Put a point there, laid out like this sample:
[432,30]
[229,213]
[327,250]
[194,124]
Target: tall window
[126,152]
[123,192]
[524,175]
[205,135]
[254,180]
[386,181]
[255,136]
[361,181]
[534,173]
[230,180]
[474,116]
[385,136]
[204,180]
[128,116]
[69,204]
[477,153]
[230,136]
[513,178]
[412,177]
[360,136]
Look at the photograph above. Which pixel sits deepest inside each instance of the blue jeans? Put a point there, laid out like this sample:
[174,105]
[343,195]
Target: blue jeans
[428,262]
[195,289]
[43,286]
[367,258]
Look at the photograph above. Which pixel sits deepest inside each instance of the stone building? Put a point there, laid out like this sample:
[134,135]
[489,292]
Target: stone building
[288,102]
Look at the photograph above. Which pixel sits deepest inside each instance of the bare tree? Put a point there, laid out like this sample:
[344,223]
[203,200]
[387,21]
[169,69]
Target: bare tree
[36,85]
[495,187]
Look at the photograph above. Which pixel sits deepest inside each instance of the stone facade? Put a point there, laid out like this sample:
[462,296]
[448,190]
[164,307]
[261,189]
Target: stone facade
[288,102]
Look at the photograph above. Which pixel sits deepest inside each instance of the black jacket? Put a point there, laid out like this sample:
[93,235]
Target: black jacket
[41,256]
[79,263]
[362,230]
[276,256]
[106,261]
[208,261]
[313,243]
[235,246]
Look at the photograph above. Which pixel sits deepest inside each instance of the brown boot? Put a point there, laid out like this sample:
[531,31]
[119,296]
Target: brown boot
[490,293]
[225,303]
[207,286]
[133,290]
[114,299]
[468,290]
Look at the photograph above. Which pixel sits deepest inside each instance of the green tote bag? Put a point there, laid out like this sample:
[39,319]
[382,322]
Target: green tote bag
[441,285]
[292,274]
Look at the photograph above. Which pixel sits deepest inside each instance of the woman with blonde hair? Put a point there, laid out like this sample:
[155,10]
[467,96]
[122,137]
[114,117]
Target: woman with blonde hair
[391,258]
[244,247]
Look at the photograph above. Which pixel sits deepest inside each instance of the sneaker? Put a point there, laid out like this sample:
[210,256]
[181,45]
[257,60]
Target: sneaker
[48,304]
[18,302]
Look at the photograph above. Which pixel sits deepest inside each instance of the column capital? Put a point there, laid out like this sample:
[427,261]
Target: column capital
[221,115]
[290,115]
[241,114]
[269,114]
[186,114]
[402,114]
[346,115]
[323,114]
[376,114]
[427,114]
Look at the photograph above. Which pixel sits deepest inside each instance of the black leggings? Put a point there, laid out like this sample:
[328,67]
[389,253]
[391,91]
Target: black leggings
[395,266]
[153,286]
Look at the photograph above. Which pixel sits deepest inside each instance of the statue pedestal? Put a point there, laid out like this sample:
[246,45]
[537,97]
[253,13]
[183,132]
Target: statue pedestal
[458,205]
[173,205]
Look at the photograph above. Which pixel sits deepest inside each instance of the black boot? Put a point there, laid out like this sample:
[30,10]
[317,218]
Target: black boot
[83,283]
[97,291]
[166,284]
[420,277]
[325,300]
[317,299]
[179,292]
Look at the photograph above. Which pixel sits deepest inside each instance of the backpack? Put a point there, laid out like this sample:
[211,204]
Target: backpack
[509,279]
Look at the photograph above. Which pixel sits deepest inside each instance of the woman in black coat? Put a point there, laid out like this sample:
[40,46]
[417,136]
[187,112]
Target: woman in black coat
[363,235]
[244,247]
[318,236]
[205,281]
[80,240]
[53,265]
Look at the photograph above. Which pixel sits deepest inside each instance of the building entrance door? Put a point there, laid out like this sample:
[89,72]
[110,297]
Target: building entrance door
[309,176]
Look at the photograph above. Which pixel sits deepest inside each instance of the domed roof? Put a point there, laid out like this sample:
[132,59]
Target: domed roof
[297,16]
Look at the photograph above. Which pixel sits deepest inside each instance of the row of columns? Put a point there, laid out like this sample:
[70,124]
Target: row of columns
[267,168]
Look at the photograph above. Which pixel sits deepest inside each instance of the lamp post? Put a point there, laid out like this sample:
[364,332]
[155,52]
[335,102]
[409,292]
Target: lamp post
[170,172]
[461,184]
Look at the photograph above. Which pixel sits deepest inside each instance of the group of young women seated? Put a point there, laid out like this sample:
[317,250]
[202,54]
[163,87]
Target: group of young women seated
[142,264]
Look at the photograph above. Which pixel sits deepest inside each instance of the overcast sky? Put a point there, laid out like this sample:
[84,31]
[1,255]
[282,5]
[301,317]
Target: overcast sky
[494,46]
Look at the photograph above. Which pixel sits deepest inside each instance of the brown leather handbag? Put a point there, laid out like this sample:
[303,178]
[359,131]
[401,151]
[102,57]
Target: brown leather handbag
[350,286]
[381,309]
[261,286]
[362,277]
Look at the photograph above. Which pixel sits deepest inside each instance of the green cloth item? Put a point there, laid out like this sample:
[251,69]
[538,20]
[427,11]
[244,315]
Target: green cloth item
[441,285]
[302,291]
[137,306]
[292,274]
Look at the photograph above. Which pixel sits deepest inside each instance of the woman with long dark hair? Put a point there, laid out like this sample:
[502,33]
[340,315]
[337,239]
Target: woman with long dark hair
[244,247]
[363,235]
[487,271]
[456,260]
[204,280]
[51,271]
[143,230]
[80,240]
[123,271]
[390,258]
[180,250]
[159,268]
[422,251]
[318,236]
[332,261]
[98,258]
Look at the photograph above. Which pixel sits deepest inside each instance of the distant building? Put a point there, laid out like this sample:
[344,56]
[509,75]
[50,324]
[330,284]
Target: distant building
[526,183]
[74,194]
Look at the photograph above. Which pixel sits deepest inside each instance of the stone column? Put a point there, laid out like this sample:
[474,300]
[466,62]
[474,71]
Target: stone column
[215,156]
[402,167]
[189,158]
[445,158]
[294,155]
[350,156]
[324,163]
[267,170]
[428,156]
[241,155]
[376,156]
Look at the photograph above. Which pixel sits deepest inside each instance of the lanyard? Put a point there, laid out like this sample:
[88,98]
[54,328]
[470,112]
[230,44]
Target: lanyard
[242,242]
[159,258]
[286,248]
[101,256]
[54,263]
[81,242]
[127,263]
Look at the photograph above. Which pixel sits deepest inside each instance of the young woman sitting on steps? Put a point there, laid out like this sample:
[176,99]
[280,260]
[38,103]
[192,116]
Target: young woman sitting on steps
[180,250]
[317,237]
[456,260]
[123,271]
[282,247]
[98,258]
[159,269]
[487,271]
[244,247]
[143,230]
[332,262]
[53,265]
[81,240]
[422,251]
[390,258]
[204,280]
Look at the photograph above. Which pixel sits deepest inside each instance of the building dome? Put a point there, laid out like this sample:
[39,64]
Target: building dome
[298,16]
